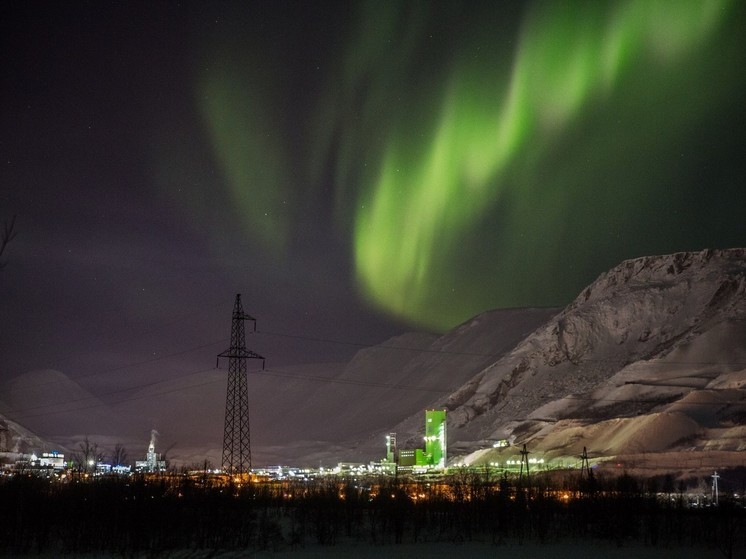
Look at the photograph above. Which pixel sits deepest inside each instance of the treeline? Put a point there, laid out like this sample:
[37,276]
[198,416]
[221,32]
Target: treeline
[158,514]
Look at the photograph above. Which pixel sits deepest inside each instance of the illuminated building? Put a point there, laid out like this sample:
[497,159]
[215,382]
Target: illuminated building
[433,456]
[151,462]
[435,439]
[53,460]
[391,452]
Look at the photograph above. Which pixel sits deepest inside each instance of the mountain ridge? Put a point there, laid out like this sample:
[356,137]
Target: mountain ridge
[677,316]
[649,358]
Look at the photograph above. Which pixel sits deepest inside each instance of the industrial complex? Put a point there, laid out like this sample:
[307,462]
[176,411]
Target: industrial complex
[236,459]
[432,457]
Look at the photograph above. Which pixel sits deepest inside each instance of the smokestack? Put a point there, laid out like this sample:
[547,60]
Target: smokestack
[153,435]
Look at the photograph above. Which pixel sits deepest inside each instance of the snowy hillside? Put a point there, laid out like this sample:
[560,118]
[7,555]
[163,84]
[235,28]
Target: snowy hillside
[650,357]
[16,439]
[49,401]
[311,414]
[299,415]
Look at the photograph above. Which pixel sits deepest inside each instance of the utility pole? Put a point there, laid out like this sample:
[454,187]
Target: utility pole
[585,468]
[236,435]
[524,460]
[715,498]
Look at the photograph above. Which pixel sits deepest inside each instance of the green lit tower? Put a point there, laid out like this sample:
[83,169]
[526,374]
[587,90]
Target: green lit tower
[435,438]
[391,451]
[432,457]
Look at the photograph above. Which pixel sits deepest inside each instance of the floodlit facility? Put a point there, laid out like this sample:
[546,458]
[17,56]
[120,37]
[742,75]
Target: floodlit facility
[53,460]
[151,462]
[433,456]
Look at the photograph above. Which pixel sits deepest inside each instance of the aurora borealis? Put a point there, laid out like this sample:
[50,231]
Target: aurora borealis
[482,155]
[356,169]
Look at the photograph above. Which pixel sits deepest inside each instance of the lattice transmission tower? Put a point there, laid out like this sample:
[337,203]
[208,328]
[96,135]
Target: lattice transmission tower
[236,434]
[524,461]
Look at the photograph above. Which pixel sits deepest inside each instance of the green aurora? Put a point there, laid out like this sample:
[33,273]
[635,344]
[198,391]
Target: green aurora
[478,158]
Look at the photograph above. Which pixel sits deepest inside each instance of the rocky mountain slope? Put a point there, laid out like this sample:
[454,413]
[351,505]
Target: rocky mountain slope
[651,357]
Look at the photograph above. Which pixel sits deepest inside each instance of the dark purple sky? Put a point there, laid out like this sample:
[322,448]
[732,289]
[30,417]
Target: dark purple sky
[109,267]
[161,157]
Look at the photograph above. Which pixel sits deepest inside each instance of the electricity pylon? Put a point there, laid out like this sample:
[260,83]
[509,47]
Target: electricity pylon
[715,496]
[524,460]
[585,467]
[236,434]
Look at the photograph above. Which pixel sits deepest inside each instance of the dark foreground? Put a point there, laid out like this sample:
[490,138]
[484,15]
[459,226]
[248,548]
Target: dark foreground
[214,516]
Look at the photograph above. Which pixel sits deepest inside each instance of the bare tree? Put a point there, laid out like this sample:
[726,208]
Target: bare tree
[119,455]
[88,456]
[8,234]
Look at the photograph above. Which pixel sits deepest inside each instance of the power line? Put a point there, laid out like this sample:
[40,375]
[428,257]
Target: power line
[601,359]
[353,382]
[113,392]
[337,341]
[176,319]
[269,372]
[378,345]
[130,365]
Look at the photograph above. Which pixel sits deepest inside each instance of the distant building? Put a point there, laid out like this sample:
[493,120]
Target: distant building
[152,463]
[435,439]
[391,451]
[53,459]
[47,464]
[433,456]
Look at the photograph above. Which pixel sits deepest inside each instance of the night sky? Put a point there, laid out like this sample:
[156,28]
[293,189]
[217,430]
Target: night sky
[354,169]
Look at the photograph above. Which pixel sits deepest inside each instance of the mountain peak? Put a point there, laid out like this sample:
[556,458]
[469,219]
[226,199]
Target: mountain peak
[644,335]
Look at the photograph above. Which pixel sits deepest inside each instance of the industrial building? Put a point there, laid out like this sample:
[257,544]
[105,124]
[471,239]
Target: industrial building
[432,456]
[53,460]
[152,463]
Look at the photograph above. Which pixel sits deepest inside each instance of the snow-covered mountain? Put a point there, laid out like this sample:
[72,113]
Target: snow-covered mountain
[15,440]
[48,401]
[45,410]
[311,414]
[303,415]
[651,357]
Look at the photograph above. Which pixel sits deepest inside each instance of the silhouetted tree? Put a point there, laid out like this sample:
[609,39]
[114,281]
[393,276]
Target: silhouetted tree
[119,455]
[87,456]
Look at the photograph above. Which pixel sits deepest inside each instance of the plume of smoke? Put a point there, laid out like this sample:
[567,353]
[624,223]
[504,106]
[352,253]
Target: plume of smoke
[153,438]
